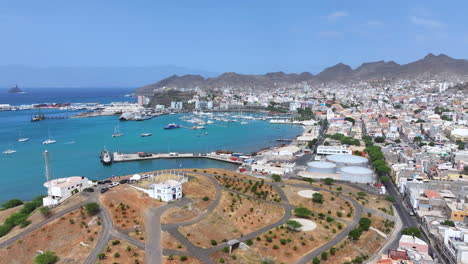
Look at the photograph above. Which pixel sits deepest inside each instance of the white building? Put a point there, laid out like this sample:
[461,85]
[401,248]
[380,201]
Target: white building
[287,151]
[328,150]
[58,190]
[264,167]
[165,191]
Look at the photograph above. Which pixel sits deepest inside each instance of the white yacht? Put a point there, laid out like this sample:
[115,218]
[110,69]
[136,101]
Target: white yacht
[146,134]
[23,139]
[49,141]
[9,151]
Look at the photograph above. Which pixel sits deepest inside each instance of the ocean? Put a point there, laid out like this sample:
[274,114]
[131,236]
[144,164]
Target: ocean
[80,140]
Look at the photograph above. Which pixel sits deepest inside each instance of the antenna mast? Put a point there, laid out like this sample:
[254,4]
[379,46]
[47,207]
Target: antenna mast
[47,169]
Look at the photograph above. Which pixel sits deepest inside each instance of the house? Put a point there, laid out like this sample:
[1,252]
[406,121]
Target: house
[58,190]
[165,191]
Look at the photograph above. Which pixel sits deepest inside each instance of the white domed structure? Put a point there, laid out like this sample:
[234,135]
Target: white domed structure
[357,174]
[321,167]
[342,160]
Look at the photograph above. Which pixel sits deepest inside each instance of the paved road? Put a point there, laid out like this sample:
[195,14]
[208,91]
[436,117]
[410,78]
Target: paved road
[107,224]
[154,252]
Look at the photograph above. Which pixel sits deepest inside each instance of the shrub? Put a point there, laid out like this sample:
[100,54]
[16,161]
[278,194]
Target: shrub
[316,261]
[92,208]
[101,256]
[205,198]
[317,198]
[275,247]
[45,211]
[355,234]
[302,212]
[47,257]
[183,258]
[276,177]
[294,225]
[213,242]
[324,255]
[364,223]
[12,203]
[328,181]
[115,242]
[249,242]
[116,255]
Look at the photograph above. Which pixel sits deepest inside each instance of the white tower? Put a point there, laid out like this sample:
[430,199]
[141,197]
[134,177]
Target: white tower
[47,169]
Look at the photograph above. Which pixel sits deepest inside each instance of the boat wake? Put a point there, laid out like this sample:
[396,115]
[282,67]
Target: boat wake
[70,142]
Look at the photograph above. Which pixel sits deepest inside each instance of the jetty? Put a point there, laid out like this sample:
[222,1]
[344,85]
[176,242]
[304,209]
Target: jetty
[140,156]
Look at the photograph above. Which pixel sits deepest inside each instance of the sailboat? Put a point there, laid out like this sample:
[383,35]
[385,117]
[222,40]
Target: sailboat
[117,132]
[22,138]
[9,151]
[49,141]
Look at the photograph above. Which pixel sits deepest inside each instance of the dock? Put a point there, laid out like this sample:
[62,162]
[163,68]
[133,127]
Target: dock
[123,157]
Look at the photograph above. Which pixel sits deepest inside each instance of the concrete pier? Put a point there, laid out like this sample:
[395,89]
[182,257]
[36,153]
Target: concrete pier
[122,157]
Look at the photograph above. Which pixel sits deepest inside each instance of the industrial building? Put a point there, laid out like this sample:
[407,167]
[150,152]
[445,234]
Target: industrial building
[321,167]
[357,174]
[342,160]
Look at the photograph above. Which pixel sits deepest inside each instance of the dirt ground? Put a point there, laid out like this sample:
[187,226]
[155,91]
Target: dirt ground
[170,242]
[195,189]
[332,203]
[285,246]
[384,225]
[127,253]
[232,218]
[37,217]
[127,207]
[256,188]
[4,214]
[177,260]
[62,236]
[347,250]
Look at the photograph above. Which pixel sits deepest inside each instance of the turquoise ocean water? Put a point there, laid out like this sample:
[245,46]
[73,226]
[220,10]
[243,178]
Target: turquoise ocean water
[79,142]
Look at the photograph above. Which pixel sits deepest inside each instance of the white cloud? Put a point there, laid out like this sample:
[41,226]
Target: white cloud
[426,22]
[329,33]
[337,15]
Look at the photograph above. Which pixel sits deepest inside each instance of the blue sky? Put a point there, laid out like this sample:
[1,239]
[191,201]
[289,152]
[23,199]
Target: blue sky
[251,36]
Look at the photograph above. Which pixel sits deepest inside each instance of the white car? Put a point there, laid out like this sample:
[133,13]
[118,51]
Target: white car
[113,184]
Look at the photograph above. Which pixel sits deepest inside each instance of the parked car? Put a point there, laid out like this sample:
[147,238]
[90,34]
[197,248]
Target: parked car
[101,182]
[107,181]
[105,189]
[88,190]
[124,181]
[113,184]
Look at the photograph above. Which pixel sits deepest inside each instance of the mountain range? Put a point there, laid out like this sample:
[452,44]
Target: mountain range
[431,66]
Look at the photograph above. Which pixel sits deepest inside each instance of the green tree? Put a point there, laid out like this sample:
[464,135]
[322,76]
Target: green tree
[324,255]
[384,179]
[448,223]
[294,225]
[379,139]
[92,208]
[355,234]
[316,261]
[45,211]
[317,198]
[412,231]
[276,177]
[302,212]
[364,223]
[47,257]
[328,181]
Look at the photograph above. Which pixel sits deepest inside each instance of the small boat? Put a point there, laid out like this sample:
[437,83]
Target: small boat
[117,132]
[23,139]
[49,141]
[198,127]
[9,151]
[244,123]
[146,134]
[172,126]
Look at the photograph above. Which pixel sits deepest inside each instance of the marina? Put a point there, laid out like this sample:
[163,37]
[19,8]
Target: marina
[123,157]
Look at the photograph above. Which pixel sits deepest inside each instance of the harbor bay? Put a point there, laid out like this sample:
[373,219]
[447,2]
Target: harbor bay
[80,140]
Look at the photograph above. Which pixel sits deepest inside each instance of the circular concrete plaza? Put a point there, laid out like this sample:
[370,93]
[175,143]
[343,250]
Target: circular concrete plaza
[307,225]
[306,193]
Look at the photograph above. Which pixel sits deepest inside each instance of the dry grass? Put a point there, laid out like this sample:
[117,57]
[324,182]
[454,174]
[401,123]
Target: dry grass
[256,188]
[62,236]
[170,242]
[195,189]
[332,205]
[127,207]
[234,216]
[127,253]
[4,214]
[347,250]
[177,260]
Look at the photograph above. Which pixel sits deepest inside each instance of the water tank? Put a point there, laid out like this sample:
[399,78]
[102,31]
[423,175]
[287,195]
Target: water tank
[321,167]
[357,174]
[342,160]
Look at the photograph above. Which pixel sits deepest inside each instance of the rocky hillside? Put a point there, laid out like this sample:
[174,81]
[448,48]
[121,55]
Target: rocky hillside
[431,66]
